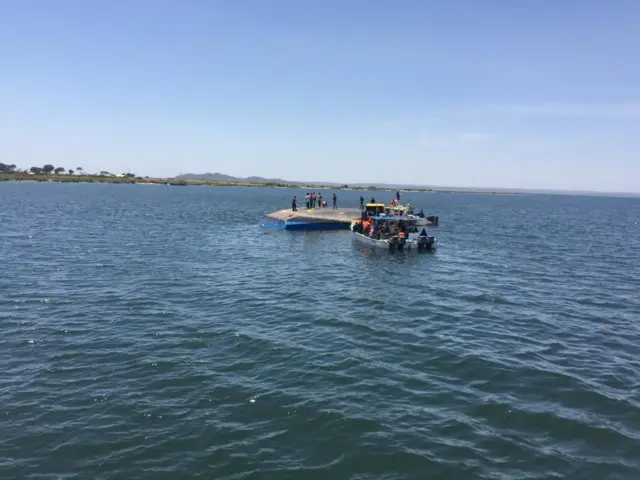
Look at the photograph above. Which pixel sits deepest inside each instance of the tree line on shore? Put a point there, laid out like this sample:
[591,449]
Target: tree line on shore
[8,171]
[49,169]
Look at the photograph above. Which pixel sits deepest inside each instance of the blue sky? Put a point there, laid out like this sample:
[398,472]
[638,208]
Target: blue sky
[538,94]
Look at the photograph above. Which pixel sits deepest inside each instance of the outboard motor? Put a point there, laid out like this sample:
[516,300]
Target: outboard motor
[425,243]
[401,242]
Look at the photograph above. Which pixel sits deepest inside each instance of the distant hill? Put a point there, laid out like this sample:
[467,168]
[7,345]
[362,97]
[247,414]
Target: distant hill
[221,177]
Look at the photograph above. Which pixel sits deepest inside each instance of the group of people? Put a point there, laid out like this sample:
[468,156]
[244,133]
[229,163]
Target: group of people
[394,202]
[312,199]
[373,200]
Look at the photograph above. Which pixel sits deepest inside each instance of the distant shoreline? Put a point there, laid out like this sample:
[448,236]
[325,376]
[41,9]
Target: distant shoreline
[206,183]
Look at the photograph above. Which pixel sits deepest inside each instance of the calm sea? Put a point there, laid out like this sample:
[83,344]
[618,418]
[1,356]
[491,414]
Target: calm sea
[159,332]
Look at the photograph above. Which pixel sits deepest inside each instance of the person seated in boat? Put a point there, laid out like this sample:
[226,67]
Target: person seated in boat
[421,213]
[366,225]
[394,202]
[423,233]
[324,204]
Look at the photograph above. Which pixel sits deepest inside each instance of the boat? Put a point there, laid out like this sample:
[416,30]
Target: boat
[407,210]
[394,233]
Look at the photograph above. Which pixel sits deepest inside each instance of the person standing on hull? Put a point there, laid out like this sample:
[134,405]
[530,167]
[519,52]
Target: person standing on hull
[335,201]
[294,204]
[398,196]
[361,203]
[320,200]
[307,198]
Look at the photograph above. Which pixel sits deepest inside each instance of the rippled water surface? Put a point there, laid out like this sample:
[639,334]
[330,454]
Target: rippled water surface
[160,332]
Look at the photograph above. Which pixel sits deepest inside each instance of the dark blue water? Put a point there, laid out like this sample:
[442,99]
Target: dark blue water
[159,332]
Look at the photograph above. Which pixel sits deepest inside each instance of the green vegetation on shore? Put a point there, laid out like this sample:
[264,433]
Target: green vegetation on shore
[98,178]
[73,178]
[48,173]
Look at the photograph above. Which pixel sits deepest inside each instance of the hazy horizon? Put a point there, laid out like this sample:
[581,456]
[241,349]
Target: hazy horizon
[413,185]
[500,95]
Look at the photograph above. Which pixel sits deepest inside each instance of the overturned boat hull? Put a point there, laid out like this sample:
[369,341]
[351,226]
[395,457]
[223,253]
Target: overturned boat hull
[312,219]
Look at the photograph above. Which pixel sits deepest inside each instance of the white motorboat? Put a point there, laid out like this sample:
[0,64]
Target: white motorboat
[408,212]
[392,233]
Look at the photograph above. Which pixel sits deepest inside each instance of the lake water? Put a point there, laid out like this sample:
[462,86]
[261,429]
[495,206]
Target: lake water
[159,332]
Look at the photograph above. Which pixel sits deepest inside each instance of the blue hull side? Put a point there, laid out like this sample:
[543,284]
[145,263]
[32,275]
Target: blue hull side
[315,226]
[288,225]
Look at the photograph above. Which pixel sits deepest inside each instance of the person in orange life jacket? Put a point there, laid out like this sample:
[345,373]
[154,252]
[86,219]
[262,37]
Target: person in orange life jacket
[402,228]
[366,227]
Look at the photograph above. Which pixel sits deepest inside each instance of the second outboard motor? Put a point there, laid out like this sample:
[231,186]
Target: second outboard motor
[425,243]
